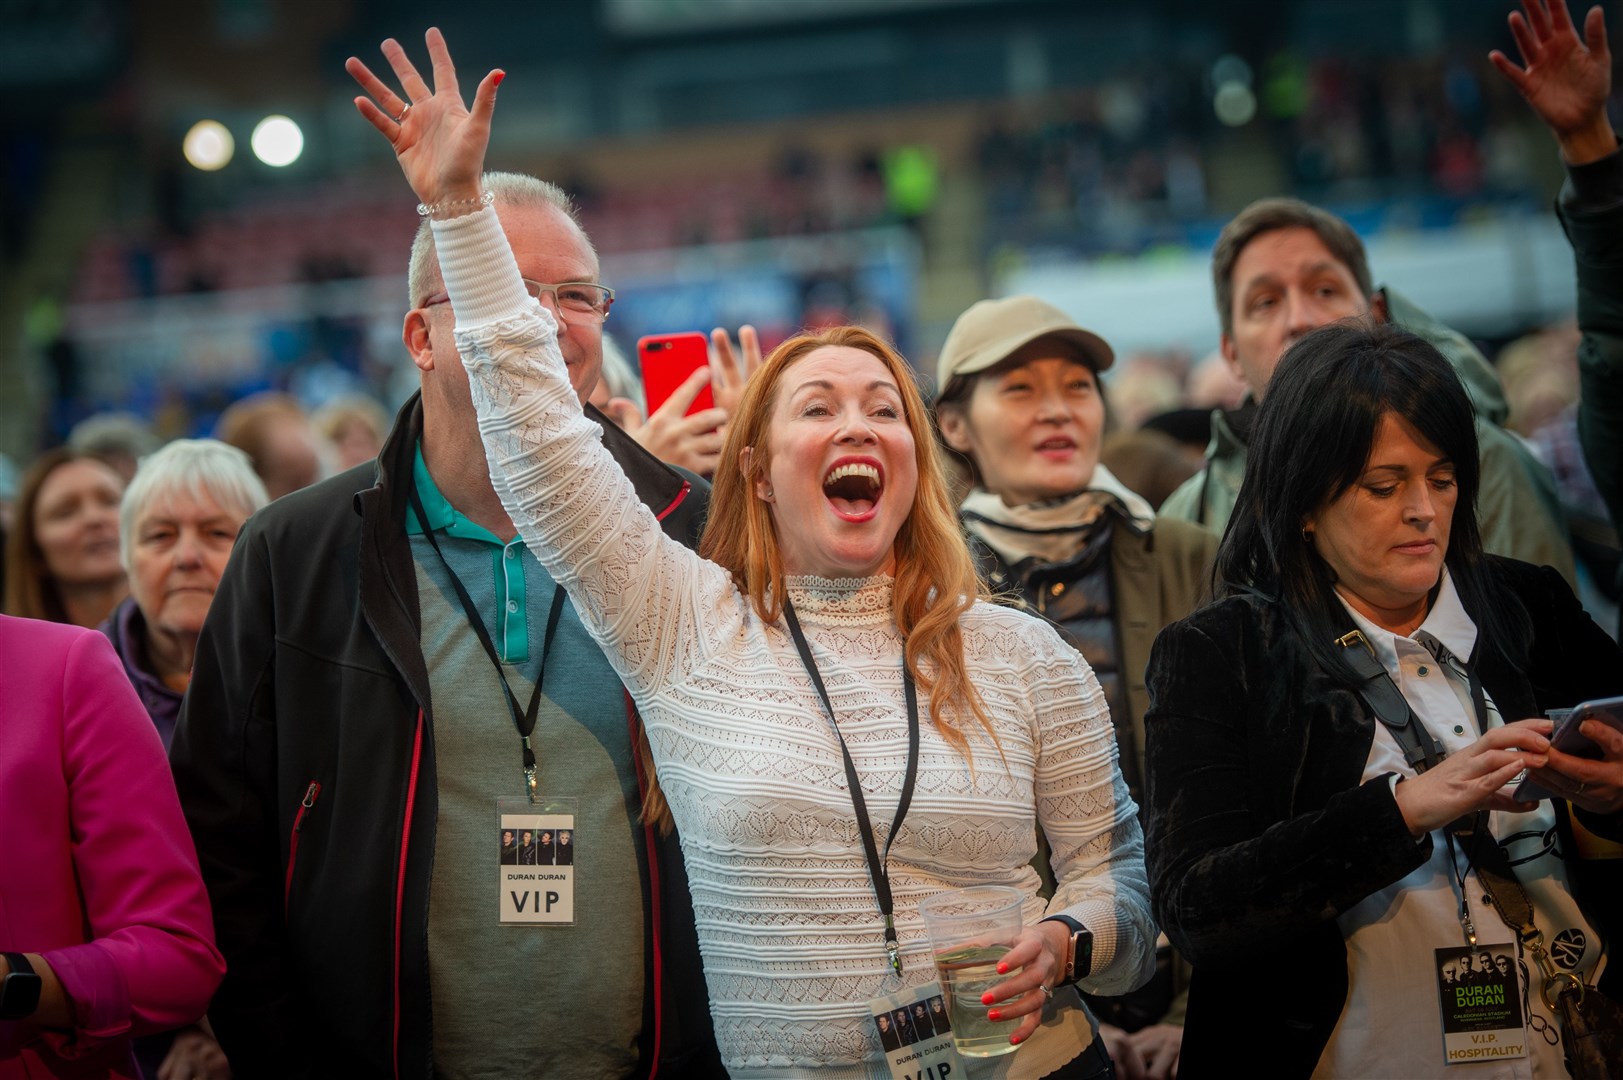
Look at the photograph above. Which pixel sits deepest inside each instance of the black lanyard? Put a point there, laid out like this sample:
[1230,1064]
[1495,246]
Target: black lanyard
[877,863]
[523,720]
[1482,852]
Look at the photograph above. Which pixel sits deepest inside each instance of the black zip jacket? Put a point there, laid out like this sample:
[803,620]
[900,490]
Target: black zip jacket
[305,762]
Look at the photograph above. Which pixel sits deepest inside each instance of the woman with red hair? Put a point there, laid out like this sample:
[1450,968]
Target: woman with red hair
[842,727]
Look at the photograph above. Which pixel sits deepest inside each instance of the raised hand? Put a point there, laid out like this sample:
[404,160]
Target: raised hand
[731,370]
[438,141]
[1565,80]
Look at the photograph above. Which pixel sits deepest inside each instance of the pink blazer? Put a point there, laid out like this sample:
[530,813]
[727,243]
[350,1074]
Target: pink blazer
[97,869]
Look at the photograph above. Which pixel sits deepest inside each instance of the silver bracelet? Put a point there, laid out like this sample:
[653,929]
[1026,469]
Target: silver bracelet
[486,199]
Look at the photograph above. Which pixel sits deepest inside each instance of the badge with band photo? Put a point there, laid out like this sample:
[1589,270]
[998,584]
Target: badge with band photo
[916,1034]
[1480,992]
[537,849]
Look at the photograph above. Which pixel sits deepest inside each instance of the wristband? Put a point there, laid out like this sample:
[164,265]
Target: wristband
[455,207]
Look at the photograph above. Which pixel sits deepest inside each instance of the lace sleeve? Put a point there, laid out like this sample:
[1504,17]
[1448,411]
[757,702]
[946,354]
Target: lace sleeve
[1091,822]
[649,601]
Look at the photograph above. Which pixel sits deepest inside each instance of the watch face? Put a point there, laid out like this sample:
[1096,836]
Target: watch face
[19,990]
[19,995]
[1081,954]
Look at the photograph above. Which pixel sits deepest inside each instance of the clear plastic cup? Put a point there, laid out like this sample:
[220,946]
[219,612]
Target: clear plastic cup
[970,930]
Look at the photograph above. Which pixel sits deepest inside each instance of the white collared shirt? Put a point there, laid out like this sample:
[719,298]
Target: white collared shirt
[1439,692]
[1391,1024]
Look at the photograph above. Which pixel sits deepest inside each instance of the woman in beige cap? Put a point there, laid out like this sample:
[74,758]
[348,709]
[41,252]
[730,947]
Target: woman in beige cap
[1021,408]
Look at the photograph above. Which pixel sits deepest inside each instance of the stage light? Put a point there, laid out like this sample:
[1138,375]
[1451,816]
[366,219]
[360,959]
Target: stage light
[277,141]
[208,145]
[1231,69]
[1234,104]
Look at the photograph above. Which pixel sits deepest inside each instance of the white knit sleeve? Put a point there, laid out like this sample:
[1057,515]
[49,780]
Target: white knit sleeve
[645,598]
[1091,822]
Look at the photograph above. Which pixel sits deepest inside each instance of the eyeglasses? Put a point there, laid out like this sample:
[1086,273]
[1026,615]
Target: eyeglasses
[582,297]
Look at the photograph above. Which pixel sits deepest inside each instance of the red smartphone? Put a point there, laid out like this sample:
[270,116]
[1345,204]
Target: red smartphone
[667,360]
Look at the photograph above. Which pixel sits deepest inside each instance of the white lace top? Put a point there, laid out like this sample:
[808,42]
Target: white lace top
[788,925]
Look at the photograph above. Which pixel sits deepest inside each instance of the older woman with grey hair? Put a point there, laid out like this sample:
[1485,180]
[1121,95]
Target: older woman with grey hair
[177,524]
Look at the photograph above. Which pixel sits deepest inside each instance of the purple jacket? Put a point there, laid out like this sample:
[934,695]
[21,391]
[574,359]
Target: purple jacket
[100,874]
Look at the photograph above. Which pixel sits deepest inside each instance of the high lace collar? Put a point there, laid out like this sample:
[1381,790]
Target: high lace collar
[840,601]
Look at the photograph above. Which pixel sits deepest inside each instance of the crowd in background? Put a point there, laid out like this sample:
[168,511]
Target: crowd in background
[1158,428]
[129,525]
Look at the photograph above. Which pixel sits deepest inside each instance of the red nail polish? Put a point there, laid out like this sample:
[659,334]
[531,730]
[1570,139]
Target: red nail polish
[497,81]
[1016,1040]
[1002,968]
[987,998]
[993,1014]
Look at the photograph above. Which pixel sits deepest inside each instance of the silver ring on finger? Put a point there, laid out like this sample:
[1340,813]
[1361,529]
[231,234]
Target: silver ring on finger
[401,119]
[1581,785]
[1048,991]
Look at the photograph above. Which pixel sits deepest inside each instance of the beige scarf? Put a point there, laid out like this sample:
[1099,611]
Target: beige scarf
[1054,530]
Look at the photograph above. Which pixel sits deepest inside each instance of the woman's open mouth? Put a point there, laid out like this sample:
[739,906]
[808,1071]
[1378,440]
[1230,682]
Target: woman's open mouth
[1057,447]
[853,487]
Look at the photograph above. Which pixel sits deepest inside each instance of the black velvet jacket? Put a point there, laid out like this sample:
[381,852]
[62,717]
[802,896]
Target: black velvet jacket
[1259,832]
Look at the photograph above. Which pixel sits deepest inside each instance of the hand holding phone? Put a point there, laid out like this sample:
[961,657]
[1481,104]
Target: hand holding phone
[1569,740]
[682,428]
[667,361]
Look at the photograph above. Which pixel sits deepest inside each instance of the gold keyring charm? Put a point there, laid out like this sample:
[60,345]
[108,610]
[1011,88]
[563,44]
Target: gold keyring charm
[1550,998]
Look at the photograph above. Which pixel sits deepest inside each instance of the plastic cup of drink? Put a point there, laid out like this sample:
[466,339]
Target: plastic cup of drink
[970,930]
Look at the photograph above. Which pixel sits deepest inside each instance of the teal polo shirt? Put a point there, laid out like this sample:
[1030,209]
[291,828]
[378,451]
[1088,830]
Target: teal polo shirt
[494,578]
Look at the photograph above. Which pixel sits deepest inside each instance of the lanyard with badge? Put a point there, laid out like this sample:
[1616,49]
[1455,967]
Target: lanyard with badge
[909,1051]
[1484,1014]
[537,836]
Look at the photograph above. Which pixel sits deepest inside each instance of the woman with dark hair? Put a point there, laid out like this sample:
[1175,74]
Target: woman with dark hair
[1330,741]
[62,556]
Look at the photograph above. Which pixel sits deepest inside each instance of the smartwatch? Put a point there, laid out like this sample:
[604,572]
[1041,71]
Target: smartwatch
[19,990]
[1078,950]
